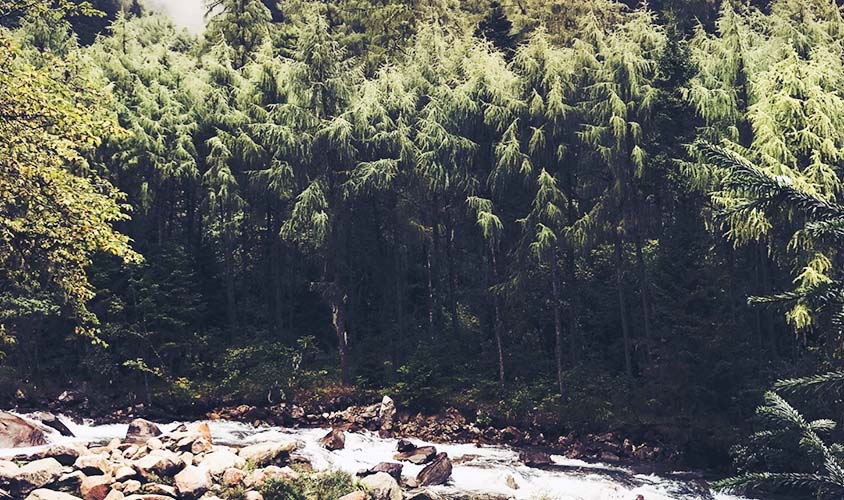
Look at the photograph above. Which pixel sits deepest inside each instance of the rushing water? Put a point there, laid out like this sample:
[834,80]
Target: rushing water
[479,470]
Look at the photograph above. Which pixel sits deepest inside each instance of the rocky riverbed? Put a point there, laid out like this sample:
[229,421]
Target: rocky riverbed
[212,459]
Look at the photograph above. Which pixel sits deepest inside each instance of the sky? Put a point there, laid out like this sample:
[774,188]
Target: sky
[187,13]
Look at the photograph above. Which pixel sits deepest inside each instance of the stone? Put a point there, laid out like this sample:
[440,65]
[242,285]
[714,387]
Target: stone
[114,495]
[160,463]
[8,470]
[124,473]
[141,430]
[50,421]
[44,494]
[35,475]
[423,495]
[218,461]
[437,472]
[534,458]
[148,496]
[355,495]
[334,440]
[159,489]
[232,477]
[192,481]
[154,443]
[258,477]
[93,464]
[404,446]
[131,486]
[95,487]
[511,482]
[382,486]
[267,453]
[16,432]
[418,456]
[201,445]
[390,468]
[253,495]
[70,480]
[205,431]
[386,416]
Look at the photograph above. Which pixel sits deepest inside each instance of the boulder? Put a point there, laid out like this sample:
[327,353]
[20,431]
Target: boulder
[50,421]
[160,463]
[267,453]
[44,494]
[511,482]
[232,477]
[355,495]
[159,489]
[258,477]
[115,495]
[16,432]
[66,455]
[71,480]
[148,496]
[35,475]
[131,486]
[534,458]
[437,472]
[390,468]
[253,495]
[404,446]
[418,456]
[334,440]
[93,464]
[124,473]
[192,481]
[382,486]
[8,470]
[95,487]
[141,430]
[218,461]
[423,495]
[201,445]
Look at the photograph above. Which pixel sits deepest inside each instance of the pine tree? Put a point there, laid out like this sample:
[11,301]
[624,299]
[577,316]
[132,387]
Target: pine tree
[241,24]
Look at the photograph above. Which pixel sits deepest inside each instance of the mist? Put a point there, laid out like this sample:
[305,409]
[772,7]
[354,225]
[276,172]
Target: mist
[186,13]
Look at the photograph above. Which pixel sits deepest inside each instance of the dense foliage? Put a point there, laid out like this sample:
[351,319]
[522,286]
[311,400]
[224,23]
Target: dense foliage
[488,204]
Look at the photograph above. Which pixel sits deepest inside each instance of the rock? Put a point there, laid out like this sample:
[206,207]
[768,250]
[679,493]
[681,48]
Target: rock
[131,486]
[148,496]
[71,480]
[511,482]
[93,465]
[159,489]
[607,456]
[66,455]
[258,477]
[386,415]
[382,486]
[44,494]
[534,458]
[390,468]
[16,432]
[154,443]
[160,463]
[218,461]
[404,446]
[232,477]
[205,431]
[141,430]
[95,487]
[437,472]
[192,481]
[124,473]
[355,495]
[35,475]
[201,445]
[411,482]
[8,470]
[511,435]
[50,421]
[253,495]
[423,495]
[114,495]
[267,453]
[334,440]
[418,456]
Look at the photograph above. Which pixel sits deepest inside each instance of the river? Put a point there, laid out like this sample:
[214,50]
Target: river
[477,471]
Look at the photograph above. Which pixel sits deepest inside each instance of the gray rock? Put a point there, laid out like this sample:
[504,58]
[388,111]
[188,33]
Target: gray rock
[418,456]
[16,432]
[267,453]
[93,465]
[44,494]
[141,430]
[35,475]
[192,481]
[50,421]
[8,470]
[382,486]
[218,461]
[160,463]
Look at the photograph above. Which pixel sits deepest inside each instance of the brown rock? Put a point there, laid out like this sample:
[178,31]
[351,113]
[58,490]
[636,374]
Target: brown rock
[141,430]
[44,494]
[404,446]
[16,432]
[534,458]
[192,481]
[50,421]
[95,487]
[160,463]
[35,475]
[418,456]
[267,453]
[114,495]
[93,464]
[437,472]
[390,468]
[334,440]
[511,483]
[232,477]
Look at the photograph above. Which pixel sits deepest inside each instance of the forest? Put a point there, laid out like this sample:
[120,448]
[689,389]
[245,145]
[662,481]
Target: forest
[568,215]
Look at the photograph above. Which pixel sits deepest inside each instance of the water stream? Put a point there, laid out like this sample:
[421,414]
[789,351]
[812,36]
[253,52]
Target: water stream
[478,470]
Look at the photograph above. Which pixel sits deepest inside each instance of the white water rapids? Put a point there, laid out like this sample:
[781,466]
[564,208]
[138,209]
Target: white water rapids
[481,470]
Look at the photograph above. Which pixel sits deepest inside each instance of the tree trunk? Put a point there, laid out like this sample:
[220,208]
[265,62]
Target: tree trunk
[497,322]
[452,275]
[622,307]
[558,326]
[228,262]
[338,318]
